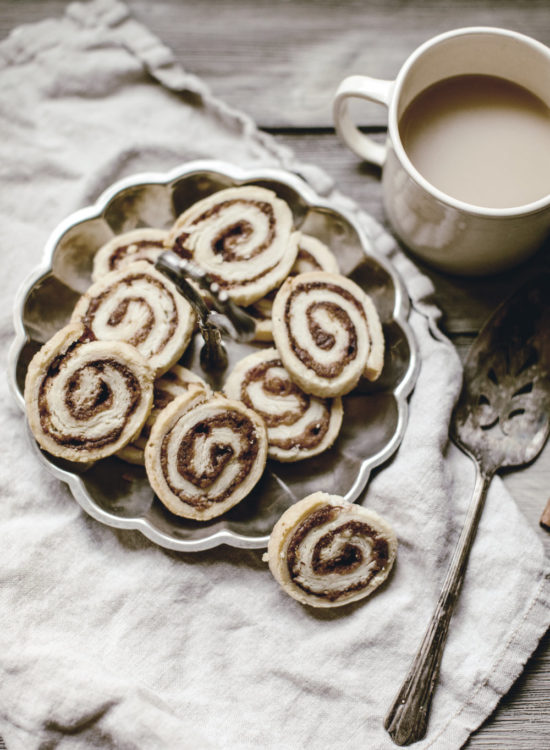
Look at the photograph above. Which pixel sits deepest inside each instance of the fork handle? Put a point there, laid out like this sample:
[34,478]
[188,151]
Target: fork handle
[407,718]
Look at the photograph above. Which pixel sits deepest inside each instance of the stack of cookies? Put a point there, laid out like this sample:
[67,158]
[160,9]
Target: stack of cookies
[110,382]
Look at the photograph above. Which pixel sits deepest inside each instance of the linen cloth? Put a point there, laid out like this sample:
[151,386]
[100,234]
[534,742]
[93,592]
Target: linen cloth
[109,641]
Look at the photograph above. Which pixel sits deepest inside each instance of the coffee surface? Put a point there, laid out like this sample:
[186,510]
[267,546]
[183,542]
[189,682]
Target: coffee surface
[481,139]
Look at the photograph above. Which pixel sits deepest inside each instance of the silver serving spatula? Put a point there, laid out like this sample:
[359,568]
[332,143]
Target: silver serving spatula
[502,419]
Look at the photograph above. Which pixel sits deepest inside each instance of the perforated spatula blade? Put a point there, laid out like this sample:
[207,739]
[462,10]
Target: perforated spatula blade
[502,418]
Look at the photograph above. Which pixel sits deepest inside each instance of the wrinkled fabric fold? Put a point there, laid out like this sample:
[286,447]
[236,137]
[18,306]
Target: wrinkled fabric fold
[109,641]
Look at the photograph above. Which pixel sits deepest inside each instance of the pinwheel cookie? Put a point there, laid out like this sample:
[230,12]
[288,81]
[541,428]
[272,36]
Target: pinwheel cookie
[177,381]
[86,399]
[205,455]
[142,307]
[326,552]
[327,332]
[139,244]
[312,255]
[241,237]
[298,425]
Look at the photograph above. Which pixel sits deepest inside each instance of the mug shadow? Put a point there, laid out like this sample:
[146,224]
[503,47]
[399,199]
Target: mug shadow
[478,295]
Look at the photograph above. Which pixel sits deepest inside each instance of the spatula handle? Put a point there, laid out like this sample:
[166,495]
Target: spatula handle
[407,718]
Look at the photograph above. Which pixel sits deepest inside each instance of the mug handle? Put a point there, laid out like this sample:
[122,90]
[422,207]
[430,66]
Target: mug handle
[360,87]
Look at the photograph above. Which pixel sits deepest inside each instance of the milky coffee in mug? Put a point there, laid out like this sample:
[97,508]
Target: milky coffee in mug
[480,139]
[466,164]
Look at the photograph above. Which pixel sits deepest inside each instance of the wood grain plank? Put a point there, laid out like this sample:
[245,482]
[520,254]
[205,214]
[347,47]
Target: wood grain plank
[282,61]
[521,721]
[13,14]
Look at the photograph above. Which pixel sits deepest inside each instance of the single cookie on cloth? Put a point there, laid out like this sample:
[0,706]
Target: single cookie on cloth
[298,425]
[142,307]
[173,383]
[139,244]
[242,237]
[312,255]
[205,455]
[327,332]
[86,399]
[326,552]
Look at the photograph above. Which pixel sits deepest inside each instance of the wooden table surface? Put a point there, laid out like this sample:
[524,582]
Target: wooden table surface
[280,61]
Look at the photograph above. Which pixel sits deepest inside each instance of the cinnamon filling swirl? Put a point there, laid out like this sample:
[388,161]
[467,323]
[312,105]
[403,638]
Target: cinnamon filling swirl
[179,246]
[172,384]
[312,255]
[305,261]
[326,552]
[227,241]
[322,330]
[139,250]
[241,237]
[125,309]
[337,552]
[203,454]
[136,245]
[280,387]
[86,398]
[262,309]
[298,425]
[139,306]
[320,336]
[89,391]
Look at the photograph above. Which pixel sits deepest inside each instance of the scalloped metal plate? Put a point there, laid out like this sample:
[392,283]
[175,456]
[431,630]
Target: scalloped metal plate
[118,494]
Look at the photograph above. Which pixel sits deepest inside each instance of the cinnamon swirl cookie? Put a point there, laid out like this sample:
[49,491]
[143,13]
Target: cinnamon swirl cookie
[86,399]
[142,307]
[327,332]
[205,454]
[312,255]
[298,425]
[326,552]
[177,381]
[242,237]
[140,244]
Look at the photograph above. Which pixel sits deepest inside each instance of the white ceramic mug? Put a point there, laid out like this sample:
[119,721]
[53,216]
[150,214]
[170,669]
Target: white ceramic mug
[447,233]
